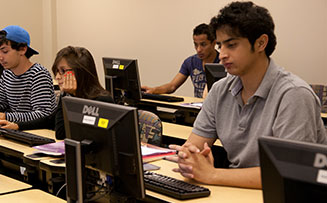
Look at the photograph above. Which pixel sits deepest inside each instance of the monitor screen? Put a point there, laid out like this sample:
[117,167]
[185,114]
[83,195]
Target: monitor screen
[293,171]
[122,79]
[110,143]
[214,72]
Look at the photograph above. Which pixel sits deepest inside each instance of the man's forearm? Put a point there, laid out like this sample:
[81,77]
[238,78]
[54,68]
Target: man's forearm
[239,177]
[164,89]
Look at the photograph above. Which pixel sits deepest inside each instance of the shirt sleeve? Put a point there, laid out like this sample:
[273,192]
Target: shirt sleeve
[42,100]
[41,123]
[3,101]
[298,117]
[185,68]
[205,123]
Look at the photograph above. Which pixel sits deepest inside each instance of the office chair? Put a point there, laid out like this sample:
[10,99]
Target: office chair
[150,127]
[321,92]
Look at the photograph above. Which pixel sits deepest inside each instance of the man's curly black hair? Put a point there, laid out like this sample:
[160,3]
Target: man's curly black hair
[245,19]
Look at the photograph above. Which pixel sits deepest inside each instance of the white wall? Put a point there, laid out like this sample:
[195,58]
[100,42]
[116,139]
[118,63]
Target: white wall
[27,14]
[159,32]
[301,28]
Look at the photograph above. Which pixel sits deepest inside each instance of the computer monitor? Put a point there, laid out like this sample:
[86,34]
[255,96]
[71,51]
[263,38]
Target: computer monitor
[122,79]
[292,171]
[104,137]
[214,72]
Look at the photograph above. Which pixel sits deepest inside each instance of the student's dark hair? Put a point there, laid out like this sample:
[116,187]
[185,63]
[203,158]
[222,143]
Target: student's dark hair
[205,29]
[245,19]
[13,44]
[81,61]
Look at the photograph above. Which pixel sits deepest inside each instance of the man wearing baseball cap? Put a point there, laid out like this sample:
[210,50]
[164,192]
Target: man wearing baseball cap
[26,88]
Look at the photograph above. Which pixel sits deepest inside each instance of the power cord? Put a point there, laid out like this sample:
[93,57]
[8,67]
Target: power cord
[60,189]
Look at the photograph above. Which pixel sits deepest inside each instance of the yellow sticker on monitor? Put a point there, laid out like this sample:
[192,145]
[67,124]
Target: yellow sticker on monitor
[121,67]
[103,123]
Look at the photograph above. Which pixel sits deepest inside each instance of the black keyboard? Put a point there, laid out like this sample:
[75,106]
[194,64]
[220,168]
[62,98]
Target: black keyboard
[160,97]
[172,187]
[27,138]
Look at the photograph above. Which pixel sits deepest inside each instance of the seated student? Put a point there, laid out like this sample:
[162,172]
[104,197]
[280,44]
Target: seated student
[26,89]
[193,66]
[258,98]
[75,71]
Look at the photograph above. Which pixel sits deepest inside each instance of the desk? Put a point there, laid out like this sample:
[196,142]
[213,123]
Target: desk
[46,169]
[172,111]
[179,131]
[218,193]
[18,151]
[31,196]
[10,185]
[176,104]
[175,130]
[15,162]
[224,194]
[11,160]
[42,132]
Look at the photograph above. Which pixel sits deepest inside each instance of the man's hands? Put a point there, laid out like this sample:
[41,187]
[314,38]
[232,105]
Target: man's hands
[193,163]
[147,89]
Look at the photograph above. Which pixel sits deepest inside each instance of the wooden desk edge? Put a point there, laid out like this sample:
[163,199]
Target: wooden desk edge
[179,129]
[32,195]
[12,185]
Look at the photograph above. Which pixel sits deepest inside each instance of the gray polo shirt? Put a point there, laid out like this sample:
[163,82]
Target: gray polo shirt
[283,106]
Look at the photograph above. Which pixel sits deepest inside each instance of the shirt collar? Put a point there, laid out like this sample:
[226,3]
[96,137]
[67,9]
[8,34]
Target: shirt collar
[268,80]
[265,85]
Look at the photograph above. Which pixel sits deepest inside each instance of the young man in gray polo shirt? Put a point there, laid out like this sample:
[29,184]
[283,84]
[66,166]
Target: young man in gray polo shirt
[258,98]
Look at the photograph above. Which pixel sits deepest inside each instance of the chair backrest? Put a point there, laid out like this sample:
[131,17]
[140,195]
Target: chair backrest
[150,127]
[321,92]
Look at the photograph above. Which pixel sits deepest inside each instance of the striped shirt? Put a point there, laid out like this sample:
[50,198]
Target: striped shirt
[28,96]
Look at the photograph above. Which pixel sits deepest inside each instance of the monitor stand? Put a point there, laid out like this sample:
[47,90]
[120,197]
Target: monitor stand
[75,170]
[75,152]
[117,95]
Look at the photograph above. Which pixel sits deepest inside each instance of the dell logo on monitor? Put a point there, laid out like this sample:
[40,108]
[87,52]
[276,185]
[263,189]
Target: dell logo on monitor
[91,110]
[320,161]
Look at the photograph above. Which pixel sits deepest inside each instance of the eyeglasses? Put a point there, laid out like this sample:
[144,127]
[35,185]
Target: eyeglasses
[62,71]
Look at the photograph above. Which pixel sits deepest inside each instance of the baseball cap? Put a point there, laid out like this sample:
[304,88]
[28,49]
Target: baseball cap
[19,35]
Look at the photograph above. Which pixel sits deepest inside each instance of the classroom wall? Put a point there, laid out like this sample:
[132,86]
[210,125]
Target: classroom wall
[159,33]
[38,18]
[27,15]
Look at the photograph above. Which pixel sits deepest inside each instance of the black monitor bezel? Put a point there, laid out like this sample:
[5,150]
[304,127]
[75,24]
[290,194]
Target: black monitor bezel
[119,157]
[287,170]
[214,72]
[124,84]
